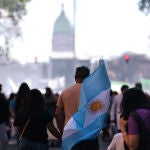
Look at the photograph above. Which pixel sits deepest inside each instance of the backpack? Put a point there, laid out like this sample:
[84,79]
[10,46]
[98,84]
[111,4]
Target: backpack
[144,133]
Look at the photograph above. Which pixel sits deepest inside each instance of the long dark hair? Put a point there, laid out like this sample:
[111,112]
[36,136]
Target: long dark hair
[22,92]
[33,103]
[133,99]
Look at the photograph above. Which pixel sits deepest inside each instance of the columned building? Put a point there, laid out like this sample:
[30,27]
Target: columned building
[63,59]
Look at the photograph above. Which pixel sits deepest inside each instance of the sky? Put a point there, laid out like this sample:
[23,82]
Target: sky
[103,28]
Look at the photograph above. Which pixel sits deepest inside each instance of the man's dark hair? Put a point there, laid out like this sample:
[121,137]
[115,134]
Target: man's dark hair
[82,72]
[124,87]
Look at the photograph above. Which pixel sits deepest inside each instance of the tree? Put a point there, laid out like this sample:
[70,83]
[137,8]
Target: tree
[144,6]
[15,9]
[11,12]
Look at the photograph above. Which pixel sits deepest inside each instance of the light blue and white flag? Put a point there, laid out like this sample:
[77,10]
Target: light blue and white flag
[91,117]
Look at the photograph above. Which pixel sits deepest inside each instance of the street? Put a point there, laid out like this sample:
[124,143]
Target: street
[103,145]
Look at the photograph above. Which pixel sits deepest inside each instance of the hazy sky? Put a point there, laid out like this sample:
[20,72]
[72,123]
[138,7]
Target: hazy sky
[104,28]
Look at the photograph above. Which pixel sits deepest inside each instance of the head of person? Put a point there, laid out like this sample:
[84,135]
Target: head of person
[132,100]
[138,85]
[33,103]
[48,91]
[12,96]
[81,73]
[23,90]
[2,95]
[124,88]
[20,95]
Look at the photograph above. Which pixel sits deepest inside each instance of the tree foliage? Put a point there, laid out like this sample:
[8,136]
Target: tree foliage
[11,12]
[144,6]
[15,9]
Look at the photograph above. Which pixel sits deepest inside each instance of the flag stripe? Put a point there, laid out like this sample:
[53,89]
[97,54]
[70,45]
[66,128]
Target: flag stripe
[99,123]
[74,123]
[94,84]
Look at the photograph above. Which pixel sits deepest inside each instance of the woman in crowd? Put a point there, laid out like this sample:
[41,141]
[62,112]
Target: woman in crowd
[4,119]
[32,121]
[135,102]
[117,142]
[22,92]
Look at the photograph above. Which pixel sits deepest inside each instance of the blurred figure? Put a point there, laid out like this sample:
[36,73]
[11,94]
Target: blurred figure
[117,142]
[22,92]
[4,120]
[12,104]
[106,131]
[115,109]
[138,85]
[56,95]
[135,102]
[32,121]
[50,100]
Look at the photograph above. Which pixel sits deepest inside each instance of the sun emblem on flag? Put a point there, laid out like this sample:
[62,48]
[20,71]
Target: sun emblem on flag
[96,106]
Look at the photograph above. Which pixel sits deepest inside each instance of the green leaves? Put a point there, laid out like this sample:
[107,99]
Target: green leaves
[144,6]
[14,6]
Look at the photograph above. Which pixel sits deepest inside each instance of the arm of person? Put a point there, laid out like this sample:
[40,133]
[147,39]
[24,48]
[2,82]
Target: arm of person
[53,130]
[112,145]
[132,140]
[11,112]
[60,119]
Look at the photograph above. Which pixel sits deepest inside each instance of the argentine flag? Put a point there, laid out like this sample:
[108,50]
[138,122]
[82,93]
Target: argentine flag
[92,113]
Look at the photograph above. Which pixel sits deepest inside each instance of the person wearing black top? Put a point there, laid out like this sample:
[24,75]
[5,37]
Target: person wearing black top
[35,134]
[21,93]
[4,115]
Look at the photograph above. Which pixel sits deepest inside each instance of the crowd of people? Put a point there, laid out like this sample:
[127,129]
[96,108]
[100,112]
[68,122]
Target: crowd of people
[133,121]
[28,114]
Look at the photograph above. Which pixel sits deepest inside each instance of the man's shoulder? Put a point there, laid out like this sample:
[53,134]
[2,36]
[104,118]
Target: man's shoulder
[71,88]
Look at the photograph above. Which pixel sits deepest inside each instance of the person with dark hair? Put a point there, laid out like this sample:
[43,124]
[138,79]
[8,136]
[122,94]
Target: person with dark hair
[12,103]
[50,100]
[115,109]
[22,92]
[138,85]
[68,101]
[4,120]
[135,103]
[32,121]
[68,105]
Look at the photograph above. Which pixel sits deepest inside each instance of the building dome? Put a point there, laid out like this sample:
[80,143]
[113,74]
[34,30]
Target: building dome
[62,24]
[63,37]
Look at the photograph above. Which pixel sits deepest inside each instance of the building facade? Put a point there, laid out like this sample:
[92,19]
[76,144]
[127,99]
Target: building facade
[63,60]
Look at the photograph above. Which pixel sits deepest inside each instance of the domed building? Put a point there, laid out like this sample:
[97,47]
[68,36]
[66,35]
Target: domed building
[63,37]
[63,59]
